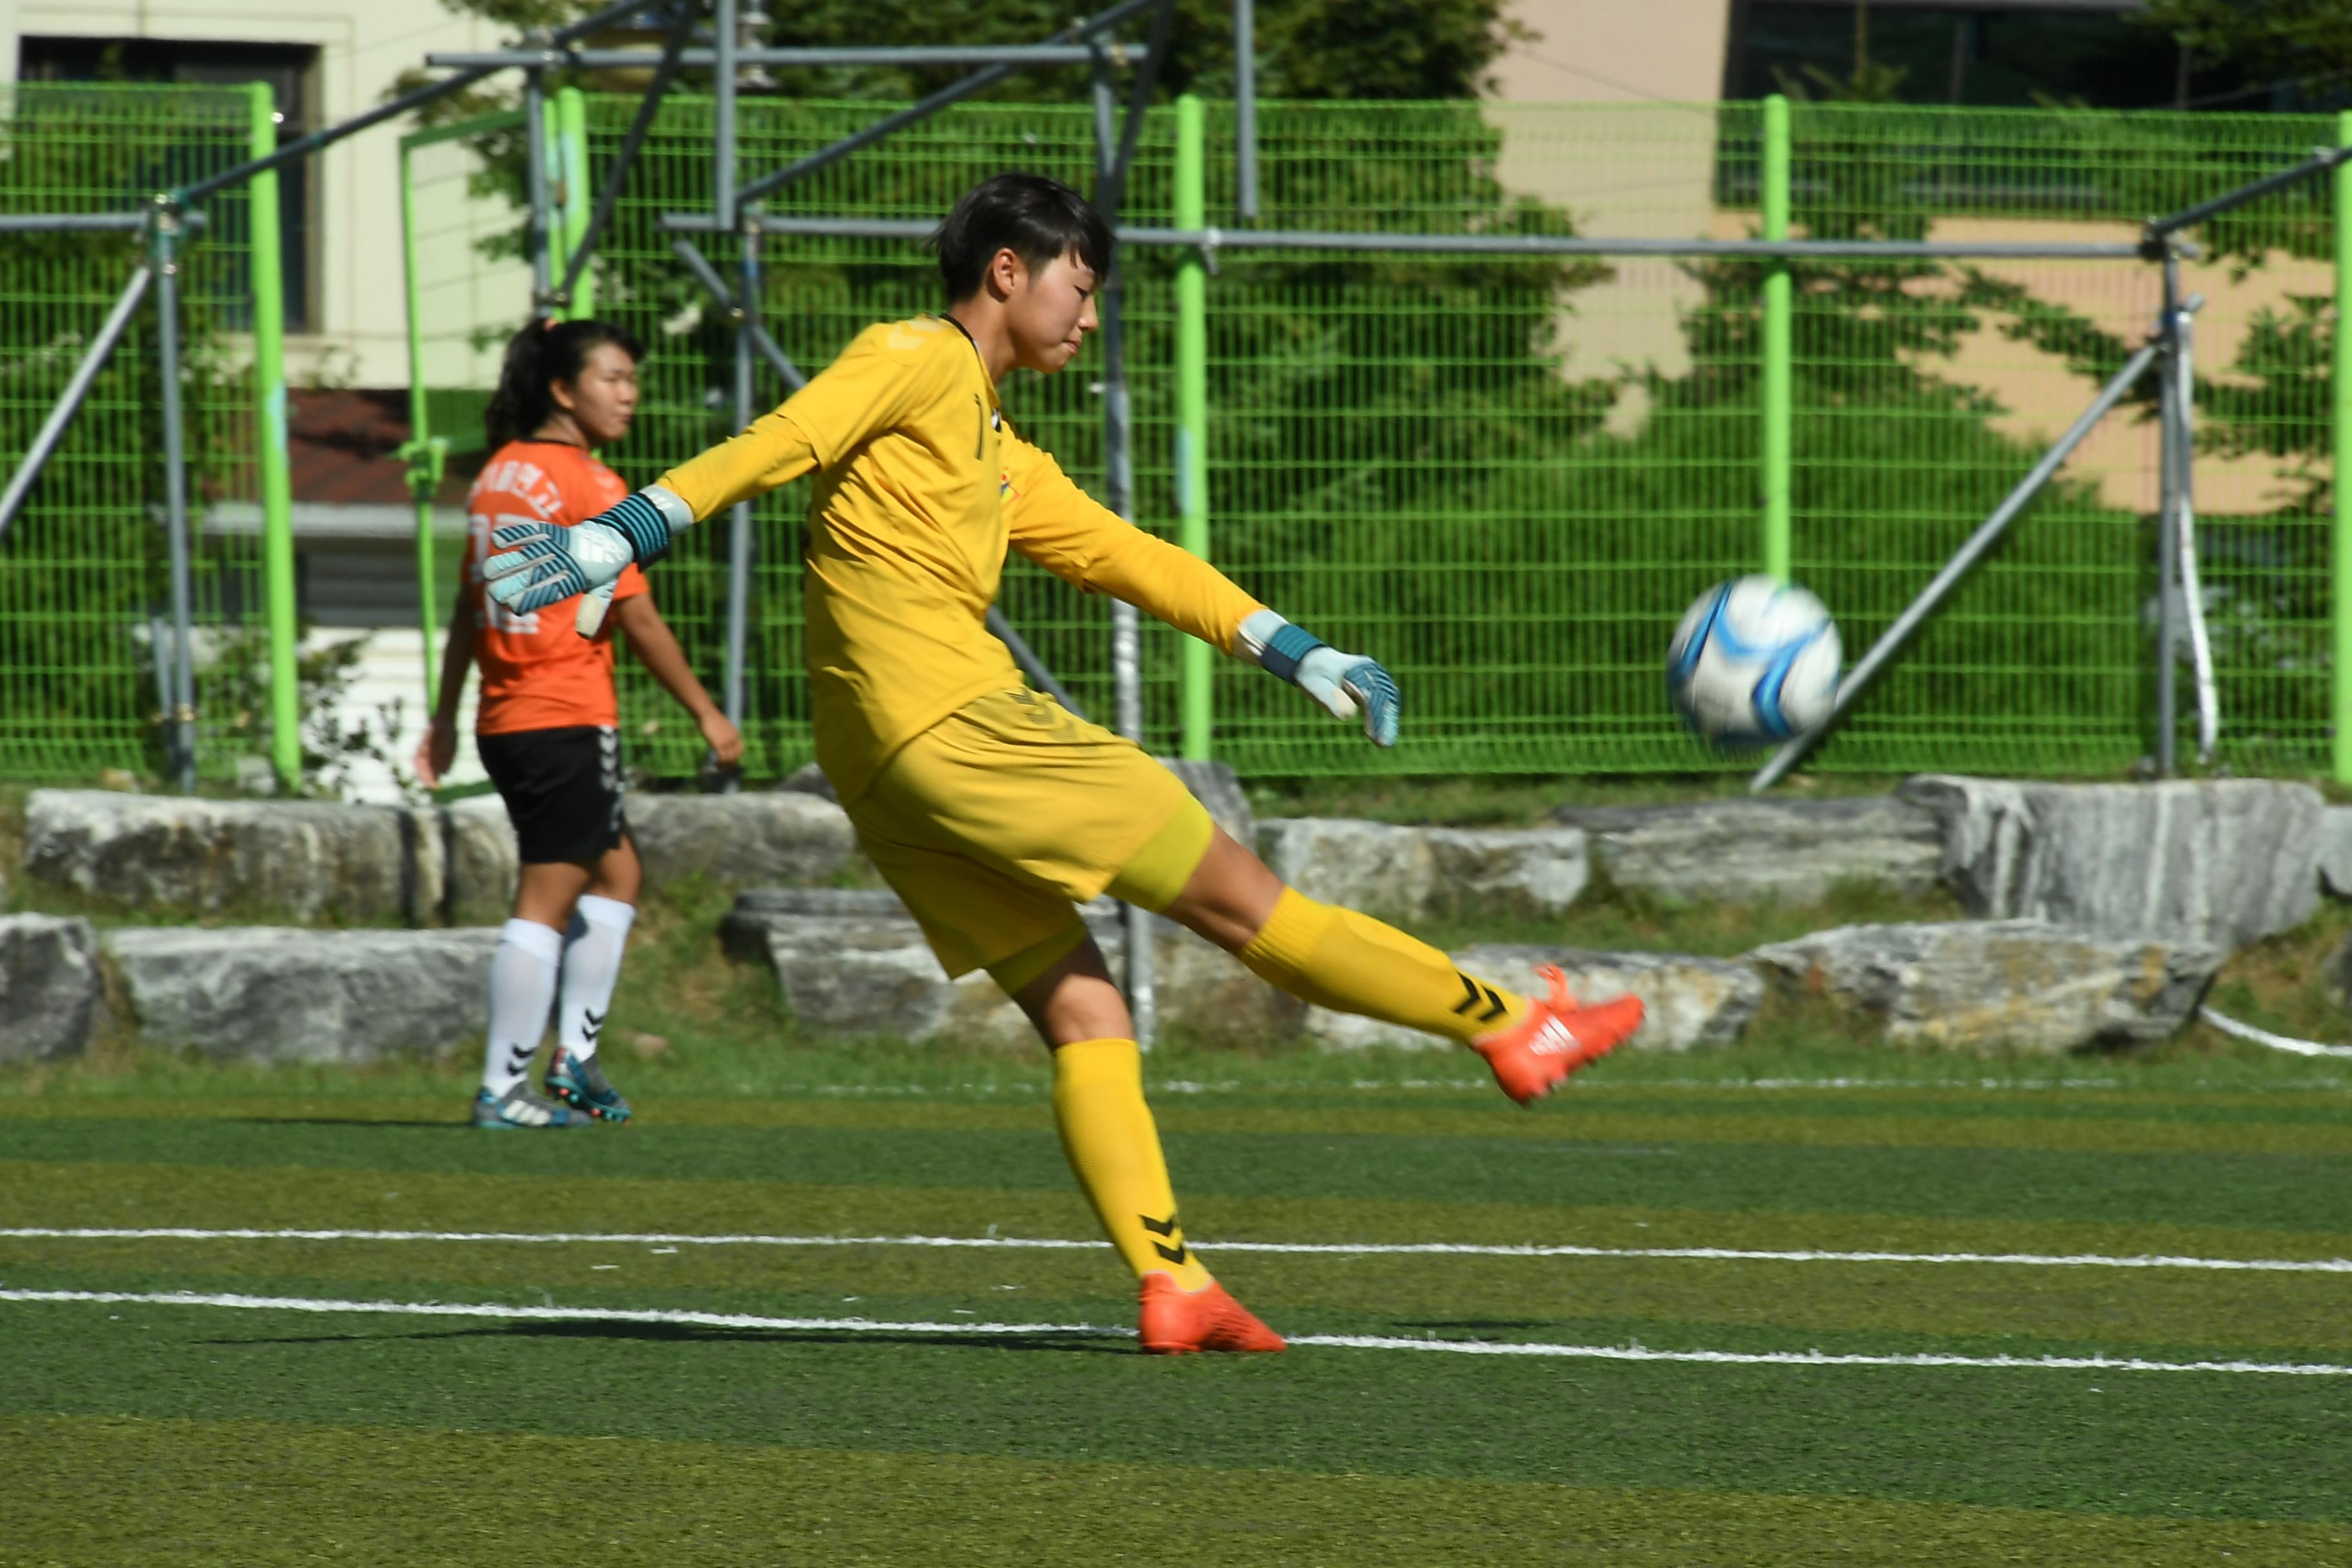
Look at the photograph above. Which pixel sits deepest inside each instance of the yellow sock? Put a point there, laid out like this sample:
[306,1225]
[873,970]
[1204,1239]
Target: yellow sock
[1339,959]
[1113,1147]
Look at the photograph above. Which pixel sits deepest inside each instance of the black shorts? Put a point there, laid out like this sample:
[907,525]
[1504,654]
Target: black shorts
[562,789]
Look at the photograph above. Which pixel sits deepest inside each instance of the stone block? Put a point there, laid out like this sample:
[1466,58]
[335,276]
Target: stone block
[49,987]
[809,779]
[853,961]
[1529,872]
[1219,788]
[753,838]
[1989,985]
[1686,1002]
[1408,872]
[2225,861]
[309,860]
[2336,851]
[481,863]
[277,995]
[1762,851]
[1370,866]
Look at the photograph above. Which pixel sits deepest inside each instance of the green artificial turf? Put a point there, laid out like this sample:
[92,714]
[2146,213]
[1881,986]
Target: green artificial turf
[143,1432]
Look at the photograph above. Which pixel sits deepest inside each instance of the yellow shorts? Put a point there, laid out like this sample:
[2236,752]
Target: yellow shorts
[994,822]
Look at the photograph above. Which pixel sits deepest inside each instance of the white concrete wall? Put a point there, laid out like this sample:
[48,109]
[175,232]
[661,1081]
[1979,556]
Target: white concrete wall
[363,45]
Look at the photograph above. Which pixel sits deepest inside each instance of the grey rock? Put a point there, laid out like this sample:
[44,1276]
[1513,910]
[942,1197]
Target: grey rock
[1219,788]
[2336,851]
[853,961]
[1414,871]
[1530,872]
[809,779]
[1686,1002]
[274,995]
[1368,866]
[1980,986]
[49,987]
[2225,861]
[780,835]
[482,863]
[1763,851]
[167,854]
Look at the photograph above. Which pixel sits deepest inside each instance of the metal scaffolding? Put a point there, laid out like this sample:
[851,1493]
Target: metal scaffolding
[707,35]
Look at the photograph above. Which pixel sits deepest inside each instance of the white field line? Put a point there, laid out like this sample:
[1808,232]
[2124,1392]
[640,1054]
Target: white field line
[1303,1248]
[1093,1331]
[2288,1043]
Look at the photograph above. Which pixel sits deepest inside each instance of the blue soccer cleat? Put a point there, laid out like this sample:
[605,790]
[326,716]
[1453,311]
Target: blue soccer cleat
[580,1083]
[518,1107]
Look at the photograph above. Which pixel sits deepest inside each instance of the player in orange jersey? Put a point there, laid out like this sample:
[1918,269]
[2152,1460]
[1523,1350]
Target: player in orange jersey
[548,723]
[991,809]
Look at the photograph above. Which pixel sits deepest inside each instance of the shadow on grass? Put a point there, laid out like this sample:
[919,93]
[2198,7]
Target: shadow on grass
[451,1124]
[696,1333]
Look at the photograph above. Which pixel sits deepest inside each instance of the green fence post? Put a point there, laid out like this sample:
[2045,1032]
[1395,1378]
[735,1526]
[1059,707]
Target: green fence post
[579,196]
[1192,409]
[1779,381]
[276,478]
[2340,540]
[422,453]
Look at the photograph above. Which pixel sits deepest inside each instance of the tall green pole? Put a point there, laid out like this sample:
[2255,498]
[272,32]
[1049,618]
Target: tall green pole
[579,196]
[276,478]
[2339,697]
[1193,408]
[1780,347]
[423,452]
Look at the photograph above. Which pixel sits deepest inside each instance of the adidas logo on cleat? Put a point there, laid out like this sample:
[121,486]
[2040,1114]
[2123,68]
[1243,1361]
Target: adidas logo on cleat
[1554,1040]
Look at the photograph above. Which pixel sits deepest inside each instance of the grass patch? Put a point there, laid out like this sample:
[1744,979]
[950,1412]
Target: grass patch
[172,1434]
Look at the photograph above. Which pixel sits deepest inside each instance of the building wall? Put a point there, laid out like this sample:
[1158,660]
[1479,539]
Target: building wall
[1609,51]
[363,46]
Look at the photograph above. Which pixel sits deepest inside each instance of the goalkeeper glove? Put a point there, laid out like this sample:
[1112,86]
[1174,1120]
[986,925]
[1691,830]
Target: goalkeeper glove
[544,564]
[1346,684]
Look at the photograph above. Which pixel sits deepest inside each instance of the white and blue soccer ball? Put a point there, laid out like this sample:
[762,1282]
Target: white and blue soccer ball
[1755,661]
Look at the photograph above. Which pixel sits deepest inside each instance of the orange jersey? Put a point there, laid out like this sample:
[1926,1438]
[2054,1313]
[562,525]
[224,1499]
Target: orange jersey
[538,672]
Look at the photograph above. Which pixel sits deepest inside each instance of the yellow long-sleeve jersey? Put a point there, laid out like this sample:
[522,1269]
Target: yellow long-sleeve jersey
[920,489]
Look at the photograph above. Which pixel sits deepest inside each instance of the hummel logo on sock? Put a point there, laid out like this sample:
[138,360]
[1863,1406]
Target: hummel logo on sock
[1175,1253]
[519,1062]
[591,1025]
[1474,993]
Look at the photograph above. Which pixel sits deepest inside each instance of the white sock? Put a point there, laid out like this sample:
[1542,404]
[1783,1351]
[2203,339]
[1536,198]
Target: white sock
[522,989]
[591,967]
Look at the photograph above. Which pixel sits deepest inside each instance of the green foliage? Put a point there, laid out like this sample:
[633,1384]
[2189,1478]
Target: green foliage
[1306,48]
[2310,40]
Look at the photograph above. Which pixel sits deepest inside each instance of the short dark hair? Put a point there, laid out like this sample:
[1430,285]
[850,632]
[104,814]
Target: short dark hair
[1036,217]
[544,352]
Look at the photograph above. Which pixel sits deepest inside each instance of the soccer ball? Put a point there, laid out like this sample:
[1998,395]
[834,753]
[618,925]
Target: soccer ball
[1753,662]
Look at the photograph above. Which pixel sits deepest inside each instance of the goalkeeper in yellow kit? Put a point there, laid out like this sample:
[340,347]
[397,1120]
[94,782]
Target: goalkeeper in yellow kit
[991,808]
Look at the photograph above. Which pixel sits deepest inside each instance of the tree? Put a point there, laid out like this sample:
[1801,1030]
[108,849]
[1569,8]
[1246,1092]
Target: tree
[2309,41]
[1306,48]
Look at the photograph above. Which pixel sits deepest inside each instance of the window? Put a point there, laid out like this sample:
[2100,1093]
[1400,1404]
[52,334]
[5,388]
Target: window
[2015,53]
[288,70]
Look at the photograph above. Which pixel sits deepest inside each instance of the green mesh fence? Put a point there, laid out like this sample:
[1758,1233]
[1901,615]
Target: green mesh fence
[1509,476]
[83,587]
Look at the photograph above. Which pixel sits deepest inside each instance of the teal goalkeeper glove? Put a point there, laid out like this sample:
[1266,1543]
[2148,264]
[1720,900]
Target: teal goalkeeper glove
[544,563]
[1346,684]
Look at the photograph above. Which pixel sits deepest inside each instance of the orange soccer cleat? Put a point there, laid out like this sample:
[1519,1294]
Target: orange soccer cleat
[1179,1322]
[1555,1038]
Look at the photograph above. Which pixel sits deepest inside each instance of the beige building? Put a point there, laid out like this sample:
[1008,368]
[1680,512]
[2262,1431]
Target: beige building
[327,60]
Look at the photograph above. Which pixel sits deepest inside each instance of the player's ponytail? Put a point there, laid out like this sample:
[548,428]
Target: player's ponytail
[544,353]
